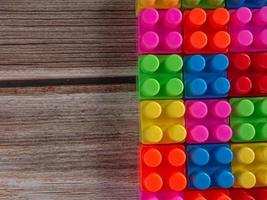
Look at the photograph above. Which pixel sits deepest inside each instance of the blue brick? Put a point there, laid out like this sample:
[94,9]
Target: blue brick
[205,76]
[209,166]
[245,3]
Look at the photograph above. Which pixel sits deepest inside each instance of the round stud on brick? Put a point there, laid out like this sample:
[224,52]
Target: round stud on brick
[149,63]
[245,179]
[175,109]
[243,108]
[153,182]
[223,133]
[177,182]
[150,87]
[199,156]
[261,85]
[224,179]
[243,38]
[197,17]
[176,133]
[198,40]
[261,39]
[241,61]
[152,157]
[173,17]
[198,110]
[149,17]
[174,87]
[221,109]
[195,63]
[198,134]
[197,87]
[219,18]
[261,131]
[173,63]
[148,3]
[241,16]
[221,86]
[201,180]
[223,155]
[242,85]
[244,132]
[221,40]
[218,62]
[261,108]
[245,155]
[260,61]
[152,110]
[261,154]
[260,17]
[173,41]
[150,40]
[152,134]
[176,157]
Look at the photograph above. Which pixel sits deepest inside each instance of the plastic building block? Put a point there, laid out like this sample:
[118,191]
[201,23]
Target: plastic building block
[246,3]
[203,3]
[161,196]
[218,194]
[249,119]
[158,4]
[159,31]
[248,74]
[162,168]
[253,194]
[206,32]
[162,122]
[207,121]
[248,30]
[160,77]
[209,166]
[250,165]
[205,76]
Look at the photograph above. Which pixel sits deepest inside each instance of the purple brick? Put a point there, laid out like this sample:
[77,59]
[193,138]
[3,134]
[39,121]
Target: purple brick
[159,31]
[207,121]
[248,29]
[161,196]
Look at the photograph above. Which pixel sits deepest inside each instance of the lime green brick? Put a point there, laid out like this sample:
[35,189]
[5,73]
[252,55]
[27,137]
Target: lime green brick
[160,77]
[203,3]
[249,119]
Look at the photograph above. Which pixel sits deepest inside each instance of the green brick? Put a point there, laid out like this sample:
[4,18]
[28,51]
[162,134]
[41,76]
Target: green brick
[249,119]
[160,77]
[203,3]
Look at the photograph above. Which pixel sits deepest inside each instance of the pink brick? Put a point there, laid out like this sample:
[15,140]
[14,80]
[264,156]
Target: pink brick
[248,29]
[161,195]
[207,121]
[159,31]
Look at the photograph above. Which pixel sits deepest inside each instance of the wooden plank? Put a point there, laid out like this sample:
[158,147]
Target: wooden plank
[68,142]
[66,39]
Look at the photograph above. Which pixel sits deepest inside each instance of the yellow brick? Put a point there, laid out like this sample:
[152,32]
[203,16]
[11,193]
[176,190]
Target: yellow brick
[250,165]
[158,4]
[162,122]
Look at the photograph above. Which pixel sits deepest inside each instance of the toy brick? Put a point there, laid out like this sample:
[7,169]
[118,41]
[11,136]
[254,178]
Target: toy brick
[162,168]
[162,122]
[207,121]
[246,3]
[158,4]
[160,77]
[212,194]
[211,4]
[159,31]
[249,119]
[248,29]
[205,76]
[252,194]
[209,166]
[248,74]
[249,165]
[206,31]
[161,196]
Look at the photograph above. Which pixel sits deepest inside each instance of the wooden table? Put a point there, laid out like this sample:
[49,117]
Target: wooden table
[68,114]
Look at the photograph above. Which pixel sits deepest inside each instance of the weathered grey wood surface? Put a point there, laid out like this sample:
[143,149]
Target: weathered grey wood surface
[68,117]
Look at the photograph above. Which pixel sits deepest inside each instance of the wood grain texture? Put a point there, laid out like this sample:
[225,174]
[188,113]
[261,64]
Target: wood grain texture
[65,143]
[51,39]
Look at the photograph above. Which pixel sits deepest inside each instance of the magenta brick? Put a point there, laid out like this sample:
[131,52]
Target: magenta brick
[161,196]
[159,31]
[248,29]
[207,121]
